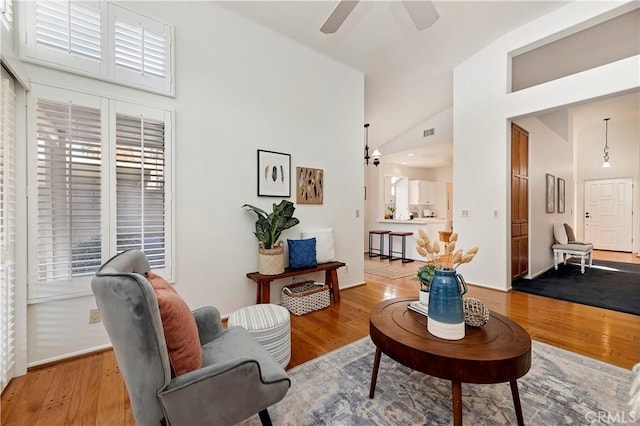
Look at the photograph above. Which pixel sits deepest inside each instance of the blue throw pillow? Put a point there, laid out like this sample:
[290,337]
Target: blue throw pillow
[302,253]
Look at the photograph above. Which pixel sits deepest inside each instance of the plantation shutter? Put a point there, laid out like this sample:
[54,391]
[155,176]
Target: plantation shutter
[142,49]
[6,14]
[69,26]
[68,191]
[140,186]
[7,227]
[68,33]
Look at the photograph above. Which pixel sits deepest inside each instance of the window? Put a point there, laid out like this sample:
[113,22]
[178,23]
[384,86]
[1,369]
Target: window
[7,227]
[67,33]
[140,49]
[83,216]
[140,186]
[99,39]
[6,14]
[69,190]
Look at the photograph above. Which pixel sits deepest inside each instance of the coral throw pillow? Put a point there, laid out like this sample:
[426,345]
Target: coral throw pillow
[180,329]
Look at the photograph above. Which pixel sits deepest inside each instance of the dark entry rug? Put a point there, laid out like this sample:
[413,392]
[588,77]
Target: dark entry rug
[609,285]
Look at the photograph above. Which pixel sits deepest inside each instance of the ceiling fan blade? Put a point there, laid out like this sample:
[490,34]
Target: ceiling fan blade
[337,17]
[422,13]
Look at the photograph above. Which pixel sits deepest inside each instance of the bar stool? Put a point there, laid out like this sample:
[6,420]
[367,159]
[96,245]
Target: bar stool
[404,236]
[380,249]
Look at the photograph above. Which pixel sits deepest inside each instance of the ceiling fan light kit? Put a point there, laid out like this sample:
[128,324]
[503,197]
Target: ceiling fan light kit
[422,12]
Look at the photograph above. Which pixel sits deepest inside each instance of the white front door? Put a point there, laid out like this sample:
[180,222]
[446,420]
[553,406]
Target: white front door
[607,214]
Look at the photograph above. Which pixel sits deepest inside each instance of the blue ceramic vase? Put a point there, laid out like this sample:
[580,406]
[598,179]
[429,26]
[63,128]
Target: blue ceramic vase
[446,311]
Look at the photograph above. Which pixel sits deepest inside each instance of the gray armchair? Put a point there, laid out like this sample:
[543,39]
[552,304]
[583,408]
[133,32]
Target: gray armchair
[238,379]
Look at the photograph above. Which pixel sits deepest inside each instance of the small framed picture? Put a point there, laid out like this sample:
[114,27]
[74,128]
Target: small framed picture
[274,174]
[551,193]
[309,185]
[560,195]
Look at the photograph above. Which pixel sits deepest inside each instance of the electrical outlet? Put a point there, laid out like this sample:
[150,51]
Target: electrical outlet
[465,213]
[94,316]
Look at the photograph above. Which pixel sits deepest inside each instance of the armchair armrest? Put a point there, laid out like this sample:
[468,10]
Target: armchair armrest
[209,324]
[223,393]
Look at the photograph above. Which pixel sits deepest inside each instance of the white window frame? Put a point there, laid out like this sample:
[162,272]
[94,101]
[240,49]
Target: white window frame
[56,58]
[128,108]
[76,286]
[105,69]
[80,286]
[139,78]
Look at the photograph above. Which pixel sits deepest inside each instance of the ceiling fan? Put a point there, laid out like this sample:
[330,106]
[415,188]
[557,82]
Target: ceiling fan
[422,13]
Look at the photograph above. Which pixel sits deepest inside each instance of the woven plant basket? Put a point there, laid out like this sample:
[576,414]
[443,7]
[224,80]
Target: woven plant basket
[305,297]
[271,261]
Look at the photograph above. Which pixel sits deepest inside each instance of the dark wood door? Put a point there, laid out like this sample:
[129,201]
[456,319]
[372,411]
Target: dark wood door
[519,201]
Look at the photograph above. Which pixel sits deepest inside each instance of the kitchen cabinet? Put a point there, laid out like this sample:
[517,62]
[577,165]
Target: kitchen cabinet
[422,192]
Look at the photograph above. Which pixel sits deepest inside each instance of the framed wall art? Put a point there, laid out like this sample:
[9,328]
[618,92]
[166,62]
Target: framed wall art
[274,174]
[309,185]
[551,193]
[560,195]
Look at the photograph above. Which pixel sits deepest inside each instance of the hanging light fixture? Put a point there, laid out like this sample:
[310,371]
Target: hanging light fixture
[606,143]
[375,155]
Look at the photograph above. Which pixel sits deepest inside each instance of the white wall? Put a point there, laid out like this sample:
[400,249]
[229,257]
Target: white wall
[239,88]
[548,153]
[482,110]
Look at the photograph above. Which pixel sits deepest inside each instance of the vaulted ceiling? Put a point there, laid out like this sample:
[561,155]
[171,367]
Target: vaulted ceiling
[408,73]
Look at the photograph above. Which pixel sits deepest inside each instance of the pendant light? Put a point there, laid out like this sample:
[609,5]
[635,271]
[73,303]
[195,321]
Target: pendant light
[606,143]
[375,155]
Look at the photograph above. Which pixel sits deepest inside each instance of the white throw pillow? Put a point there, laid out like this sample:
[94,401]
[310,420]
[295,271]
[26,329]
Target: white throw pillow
[560,234]
[325,252]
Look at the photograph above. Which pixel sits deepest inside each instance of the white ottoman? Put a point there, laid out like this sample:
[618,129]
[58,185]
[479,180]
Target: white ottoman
[269,325]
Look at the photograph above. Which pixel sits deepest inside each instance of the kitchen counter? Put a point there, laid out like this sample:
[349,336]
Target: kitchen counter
[418,221]
[431,225]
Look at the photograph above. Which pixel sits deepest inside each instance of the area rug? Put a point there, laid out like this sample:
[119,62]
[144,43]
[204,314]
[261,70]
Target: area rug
[382,268]
[609,285]
[561,388]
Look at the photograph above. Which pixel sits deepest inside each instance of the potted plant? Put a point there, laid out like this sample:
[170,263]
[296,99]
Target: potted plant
[269,226]
[424,275]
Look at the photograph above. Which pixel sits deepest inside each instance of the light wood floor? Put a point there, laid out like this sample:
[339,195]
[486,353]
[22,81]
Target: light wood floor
[89,390]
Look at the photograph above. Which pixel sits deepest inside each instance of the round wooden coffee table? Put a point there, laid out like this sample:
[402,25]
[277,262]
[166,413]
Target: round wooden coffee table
[498,352]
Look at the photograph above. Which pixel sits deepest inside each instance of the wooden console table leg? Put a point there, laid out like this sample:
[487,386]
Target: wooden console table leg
[264,292]
[374,372]
[456,393]
[516,402]
[331,279]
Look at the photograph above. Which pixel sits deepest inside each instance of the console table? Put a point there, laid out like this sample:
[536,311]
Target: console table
[330,269]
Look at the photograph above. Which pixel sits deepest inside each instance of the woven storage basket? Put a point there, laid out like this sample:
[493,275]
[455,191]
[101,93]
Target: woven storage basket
[271,260]
[305,297]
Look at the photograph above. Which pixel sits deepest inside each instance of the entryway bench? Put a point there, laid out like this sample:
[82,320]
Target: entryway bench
[263,294]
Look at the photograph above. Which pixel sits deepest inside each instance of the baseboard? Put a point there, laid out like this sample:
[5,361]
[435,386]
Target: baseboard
[53,360]
[537,274]
[353,285]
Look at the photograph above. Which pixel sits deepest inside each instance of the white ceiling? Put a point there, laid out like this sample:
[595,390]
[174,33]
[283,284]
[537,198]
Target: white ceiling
[408,73]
